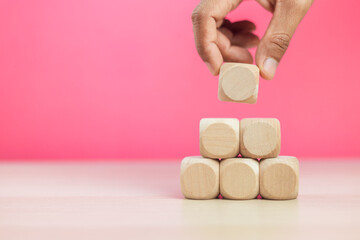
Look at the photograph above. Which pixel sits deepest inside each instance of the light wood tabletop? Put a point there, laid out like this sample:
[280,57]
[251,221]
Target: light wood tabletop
[142,200]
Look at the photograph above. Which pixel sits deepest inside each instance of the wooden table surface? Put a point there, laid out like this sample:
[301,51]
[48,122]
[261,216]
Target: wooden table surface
[142,200]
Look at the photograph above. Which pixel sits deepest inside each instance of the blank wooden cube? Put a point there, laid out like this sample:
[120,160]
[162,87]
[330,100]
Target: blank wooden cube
[219,137]
[260,137]
[238,82]
[199,178]
[239,178]
[279,178]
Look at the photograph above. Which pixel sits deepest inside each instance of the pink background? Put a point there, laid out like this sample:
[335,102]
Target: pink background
[122,79]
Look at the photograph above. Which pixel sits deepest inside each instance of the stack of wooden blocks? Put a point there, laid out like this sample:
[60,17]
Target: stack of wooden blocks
[259,171]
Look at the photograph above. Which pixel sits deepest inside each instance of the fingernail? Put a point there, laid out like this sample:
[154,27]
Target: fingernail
[269,67]
[210,68]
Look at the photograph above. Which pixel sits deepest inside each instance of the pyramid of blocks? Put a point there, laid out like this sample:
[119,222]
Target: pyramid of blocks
[240,159]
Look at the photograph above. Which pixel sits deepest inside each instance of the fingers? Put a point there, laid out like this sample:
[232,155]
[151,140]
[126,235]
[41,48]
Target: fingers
[238,54]
[230,52]
[287,16]
[241,39]
[206,18]
[245,40]
[240,33]
[205,34]
[241,26]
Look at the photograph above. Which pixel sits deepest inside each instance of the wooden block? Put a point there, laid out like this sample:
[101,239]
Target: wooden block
[238,82]
[219,137]
[239,178]
[279,178]
[199,178]
[260,137]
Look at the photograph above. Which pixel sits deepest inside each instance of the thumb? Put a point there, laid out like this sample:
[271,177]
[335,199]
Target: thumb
[273,45]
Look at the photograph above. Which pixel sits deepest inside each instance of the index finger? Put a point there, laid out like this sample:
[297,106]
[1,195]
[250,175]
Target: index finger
[206,18]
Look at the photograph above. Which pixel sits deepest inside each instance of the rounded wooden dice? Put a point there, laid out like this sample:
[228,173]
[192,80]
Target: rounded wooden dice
[279,178]
[260,137]
[219,137]
[239,178]
[199,178]
[238,82]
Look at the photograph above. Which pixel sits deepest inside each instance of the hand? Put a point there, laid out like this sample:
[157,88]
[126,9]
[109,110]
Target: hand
[218,40]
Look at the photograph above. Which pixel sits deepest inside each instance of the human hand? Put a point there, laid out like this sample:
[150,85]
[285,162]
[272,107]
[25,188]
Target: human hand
[218,40]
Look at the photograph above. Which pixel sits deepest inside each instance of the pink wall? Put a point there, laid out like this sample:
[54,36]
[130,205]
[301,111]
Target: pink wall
[122,79]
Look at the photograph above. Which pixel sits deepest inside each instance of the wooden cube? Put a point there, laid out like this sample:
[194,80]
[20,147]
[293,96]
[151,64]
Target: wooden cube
[238,82]
[260,137]
[219,137]
[199,178]
[279,178]
[239,178]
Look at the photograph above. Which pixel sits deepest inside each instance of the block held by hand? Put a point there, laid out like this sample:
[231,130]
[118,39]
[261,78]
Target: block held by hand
[238,82]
